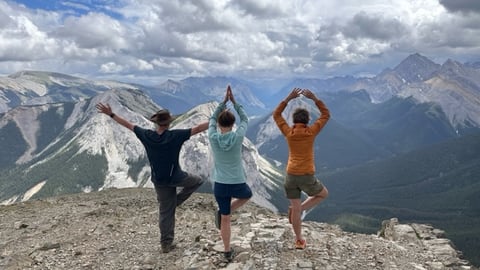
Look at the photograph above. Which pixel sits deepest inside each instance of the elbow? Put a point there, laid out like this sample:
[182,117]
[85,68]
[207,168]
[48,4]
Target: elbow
[326,114]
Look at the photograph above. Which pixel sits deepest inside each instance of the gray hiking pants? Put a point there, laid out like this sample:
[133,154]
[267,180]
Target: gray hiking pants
[169,199]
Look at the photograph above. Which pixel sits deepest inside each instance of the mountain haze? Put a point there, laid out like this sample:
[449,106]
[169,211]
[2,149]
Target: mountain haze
[196,90]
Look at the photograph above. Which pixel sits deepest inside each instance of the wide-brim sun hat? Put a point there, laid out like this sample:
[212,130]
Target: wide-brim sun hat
[162,117]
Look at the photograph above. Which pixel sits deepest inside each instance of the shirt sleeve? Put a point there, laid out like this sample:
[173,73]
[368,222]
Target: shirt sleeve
[184,134]
[242,128]
[323,119]
[139,132]
[212,123]
[279,120]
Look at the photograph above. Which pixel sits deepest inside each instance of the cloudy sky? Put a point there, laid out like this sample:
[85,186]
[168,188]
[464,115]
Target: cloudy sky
[149,41]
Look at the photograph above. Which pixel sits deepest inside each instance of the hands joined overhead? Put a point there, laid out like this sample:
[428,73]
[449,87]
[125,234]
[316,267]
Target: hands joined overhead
[296,92]
[229,95]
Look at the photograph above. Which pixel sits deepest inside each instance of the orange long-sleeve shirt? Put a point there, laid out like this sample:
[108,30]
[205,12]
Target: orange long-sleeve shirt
[300,139]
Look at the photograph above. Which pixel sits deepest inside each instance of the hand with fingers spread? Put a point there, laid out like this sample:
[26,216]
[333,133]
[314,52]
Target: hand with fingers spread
[296,92]
[309,94]
[104,108]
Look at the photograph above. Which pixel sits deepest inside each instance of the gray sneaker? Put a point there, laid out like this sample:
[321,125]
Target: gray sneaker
[229,255]
[166,248]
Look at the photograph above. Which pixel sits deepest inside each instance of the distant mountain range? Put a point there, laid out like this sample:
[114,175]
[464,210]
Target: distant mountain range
[453,86]
[403,143]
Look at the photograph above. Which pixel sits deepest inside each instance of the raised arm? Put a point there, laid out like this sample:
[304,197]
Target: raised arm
[199,128]
[212,125]
[106,109]
[277,114]
[242,128]
[325,113]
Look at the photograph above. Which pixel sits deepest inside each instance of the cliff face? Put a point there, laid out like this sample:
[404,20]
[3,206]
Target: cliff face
[118,229]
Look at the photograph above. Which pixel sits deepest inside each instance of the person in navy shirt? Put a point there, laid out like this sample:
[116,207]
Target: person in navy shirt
[163,149]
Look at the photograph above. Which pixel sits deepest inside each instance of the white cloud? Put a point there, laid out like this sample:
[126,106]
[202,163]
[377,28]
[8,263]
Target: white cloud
[144,65]
[111,67]
[24,42]
[263,38]
[93,31]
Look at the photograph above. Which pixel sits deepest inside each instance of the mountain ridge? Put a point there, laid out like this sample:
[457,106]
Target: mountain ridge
[453,85]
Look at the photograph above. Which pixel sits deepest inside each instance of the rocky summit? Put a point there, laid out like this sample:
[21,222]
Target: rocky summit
[118,229]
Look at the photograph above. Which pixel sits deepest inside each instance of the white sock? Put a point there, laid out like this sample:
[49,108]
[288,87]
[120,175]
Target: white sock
[305,213]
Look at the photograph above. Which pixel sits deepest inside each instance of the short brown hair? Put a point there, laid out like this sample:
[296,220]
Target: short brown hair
[301,116]
[226,119]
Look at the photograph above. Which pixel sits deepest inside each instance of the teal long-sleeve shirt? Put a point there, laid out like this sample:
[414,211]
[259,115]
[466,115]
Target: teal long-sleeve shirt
[227,148]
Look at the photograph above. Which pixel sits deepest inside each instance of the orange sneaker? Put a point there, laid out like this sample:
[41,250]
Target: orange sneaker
[300,244]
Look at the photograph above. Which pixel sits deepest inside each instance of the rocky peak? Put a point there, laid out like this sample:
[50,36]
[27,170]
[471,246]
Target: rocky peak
[416,68]
[118,229]
[171,86]
[451,67]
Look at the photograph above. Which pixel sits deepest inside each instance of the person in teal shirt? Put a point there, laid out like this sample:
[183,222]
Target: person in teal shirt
[230,188]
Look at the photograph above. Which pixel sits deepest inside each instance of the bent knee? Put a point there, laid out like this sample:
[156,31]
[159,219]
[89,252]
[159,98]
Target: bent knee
[323,193]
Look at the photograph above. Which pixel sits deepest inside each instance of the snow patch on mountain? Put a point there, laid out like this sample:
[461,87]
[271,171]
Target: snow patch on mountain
[33,190]
[10,200]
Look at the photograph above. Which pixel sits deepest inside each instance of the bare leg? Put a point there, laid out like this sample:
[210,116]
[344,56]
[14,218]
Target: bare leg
[225,228]
[237,203]
[296,221]
[312,201]
[225,232]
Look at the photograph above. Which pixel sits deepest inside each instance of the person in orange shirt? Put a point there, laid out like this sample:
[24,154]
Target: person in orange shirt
[300,169]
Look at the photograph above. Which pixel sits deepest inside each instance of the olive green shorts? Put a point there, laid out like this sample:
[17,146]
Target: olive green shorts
[295,184]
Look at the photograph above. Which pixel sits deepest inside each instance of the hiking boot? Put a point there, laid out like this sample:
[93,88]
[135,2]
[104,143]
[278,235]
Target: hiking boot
[218,219]
[229,255]
[300,244]
[166,248]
